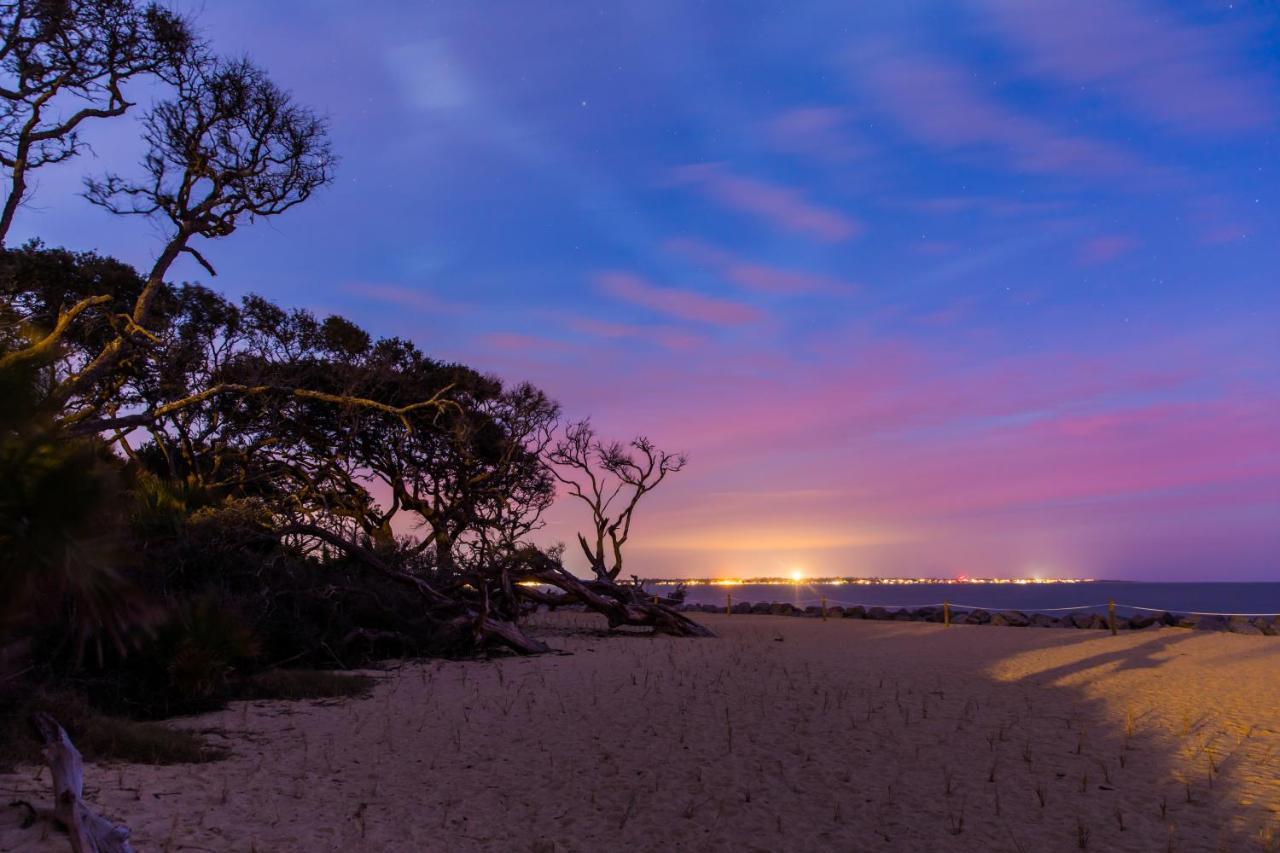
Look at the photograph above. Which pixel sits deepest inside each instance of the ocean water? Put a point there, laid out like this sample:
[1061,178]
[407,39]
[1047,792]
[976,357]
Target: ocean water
[1250,598]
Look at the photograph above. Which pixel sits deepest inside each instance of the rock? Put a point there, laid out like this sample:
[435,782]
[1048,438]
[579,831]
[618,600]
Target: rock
[1211,623]
[1075,620]
[712,608]
[928,614]
[857,611]
[1013,618]
[835,611]
[813,610]
[1185,621]
[902,615]
[1242,625]
[742,607]
[1142,620]
[760,607]
[978,617]
[877,613]
[1098,622]
[1266,626]
[1040,620]
[1167,618]
[1122,623]
[781,609]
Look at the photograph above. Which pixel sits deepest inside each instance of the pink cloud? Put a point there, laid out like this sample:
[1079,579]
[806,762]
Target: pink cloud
[665,336]
[762,278]
[1104,249]
[405,297]
[821,133]
[941,105]
[1170,72]
[777,205]
[522,343]
[680,304]
[991,205]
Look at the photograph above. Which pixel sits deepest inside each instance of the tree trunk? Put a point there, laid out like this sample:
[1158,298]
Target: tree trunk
[618,603]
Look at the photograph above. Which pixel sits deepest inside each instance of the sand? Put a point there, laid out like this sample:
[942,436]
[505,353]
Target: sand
[782,734]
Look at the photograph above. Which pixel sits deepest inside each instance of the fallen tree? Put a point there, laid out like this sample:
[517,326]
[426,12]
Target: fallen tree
[88,831]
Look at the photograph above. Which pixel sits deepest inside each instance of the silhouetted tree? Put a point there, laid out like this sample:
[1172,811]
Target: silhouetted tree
[610,479]
[64,62]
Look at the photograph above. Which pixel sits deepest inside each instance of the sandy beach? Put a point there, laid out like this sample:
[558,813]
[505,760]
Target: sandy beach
[781,734]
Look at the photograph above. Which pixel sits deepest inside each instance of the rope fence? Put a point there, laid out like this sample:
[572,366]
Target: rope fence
[947,607]
[835,602]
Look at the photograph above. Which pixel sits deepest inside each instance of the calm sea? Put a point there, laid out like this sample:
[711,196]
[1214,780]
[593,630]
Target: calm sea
[1176,597]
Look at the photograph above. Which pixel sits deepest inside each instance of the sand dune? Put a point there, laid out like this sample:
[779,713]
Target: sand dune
[783,734]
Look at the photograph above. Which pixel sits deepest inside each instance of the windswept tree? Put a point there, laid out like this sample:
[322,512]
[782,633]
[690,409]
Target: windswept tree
[610,478]
[65,62]
[229,147]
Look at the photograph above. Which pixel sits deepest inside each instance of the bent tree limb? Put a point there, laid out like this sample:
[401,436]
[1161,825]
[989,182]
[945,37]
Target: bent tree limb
[458,614]
[617,603]
[89,832]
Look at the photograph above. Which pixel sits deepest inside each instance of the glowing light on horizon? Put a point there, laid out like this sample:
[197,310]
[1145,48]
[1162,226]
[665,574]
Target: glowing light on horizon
[797,576]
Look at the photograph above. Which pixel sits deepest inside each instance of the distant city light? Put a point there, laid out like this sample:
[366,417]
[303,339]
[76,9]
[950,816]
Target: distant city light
[798,576]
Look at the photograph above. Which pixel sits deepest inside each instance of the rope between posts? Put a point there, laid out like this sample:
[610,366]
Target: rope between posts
[1192,612]
[955,605]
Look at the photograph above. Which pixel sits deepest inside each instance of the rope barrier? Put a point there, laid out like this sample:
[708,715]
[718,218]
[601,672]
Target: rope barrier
[1192,612]
[954,605]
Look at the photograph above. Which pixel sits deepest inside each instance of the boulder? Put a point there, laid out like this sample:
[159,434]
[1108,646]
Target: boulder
[1242,625]
[813,610]
[1013,618]
[1266,626]
[760,607]
[1211,623]
[781,609]
[878,613]
[1141,620]
[857,611]
[928,614]
[742,607]
[835,611]
[978,617]
[1041,620]
[902,615]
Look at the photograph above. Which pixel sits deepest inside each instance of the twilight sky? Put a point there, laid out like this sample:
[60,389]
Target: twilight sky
[986,288]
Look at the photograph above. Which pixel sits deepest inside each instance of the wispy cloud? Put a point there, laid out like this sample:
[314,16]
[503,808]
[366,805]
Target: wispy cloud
[1164,70]
[820,133]
[785,207]
[676,303]
[758,277]
[941,105]
[665,336]
[1106,248]
[404,297]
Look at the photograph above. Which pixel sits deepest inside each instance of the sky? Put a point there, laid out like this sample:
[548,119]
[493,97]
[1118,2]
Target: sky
[923,289]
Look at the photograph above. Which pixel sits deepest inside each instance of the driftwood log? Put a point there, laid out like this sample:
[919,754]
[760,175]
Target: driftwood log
[88,831]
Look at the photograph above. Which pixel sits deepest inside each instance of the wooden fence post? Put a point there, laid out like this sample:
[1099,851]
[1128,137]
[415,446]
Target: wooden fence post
[728,604]
[824,607]
[946,614]
[1111,616]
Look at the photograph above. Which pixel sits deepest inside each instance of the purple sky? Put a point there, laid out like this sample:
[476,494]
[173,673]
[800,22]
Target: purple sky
[923,288]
